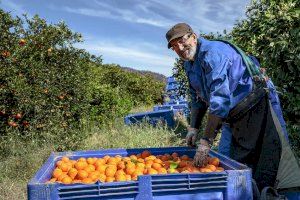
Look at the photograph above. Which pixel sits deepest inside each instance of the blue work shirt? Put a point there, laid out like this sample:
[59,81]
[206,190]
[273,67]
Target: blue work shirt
[218,77]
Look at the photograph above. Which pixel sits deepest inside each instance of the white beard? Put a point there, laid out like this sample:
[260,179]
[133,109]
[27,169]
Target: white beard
[189,55]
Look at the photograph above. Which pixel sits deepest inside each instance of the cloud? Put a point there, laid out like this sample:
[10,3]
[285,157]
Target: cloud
[142,56]
[112,12]
[129,51]
[209,16]
[17,9]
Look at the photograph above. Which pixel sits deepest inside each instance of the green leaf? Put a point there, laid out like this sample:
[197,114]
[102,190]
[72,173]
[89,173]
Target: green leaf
[173,165]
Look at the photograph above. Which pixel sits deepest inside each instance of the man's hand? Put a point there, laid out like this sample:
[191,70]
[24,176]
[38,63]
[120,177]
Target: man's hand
[191,137]
[201,156]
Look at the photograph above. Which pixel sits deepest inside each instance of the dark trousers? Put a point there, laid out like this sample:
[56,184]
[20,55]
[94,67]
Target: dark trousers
[256,143]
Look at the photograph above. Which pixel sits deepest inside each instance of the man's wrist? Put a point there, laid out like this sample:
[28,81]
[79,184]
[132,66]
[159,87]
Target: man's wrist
[193,130]
[206,141]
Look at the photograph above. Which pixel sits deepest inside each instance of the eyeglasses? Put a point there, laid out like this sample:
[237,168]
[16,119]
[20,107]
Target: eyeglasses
[175,43]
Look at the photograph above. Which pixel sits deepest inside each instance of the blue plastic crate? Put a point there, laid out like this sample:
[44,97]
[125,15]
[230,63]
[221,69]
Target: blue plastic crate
[153,117]
[233,183]
[171,79]
[162,107]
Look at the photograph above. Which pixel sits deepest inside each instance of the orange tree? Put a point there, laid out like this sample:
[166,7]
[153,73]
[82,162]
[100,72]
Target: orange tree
[48,88]
[271,33]
[42,77]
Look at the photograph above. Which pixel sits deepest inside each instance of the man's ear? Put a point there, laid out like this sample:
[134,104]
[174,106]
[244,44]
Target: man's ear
[194,35]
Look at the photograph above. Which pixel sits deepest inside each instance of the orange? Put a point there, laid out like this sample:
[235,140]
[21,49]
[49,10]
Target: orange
[110,171]
[133,157]
[219,169]
[106,158]
[76,181]
[182,164]
[156,160]
[118,158]
[60,178]
[156,166]
[121,165]
[214,161]
[82,174]
[67,180]
[130,164]
[82,159]
[152,171]
[162,171]
[141,160]
[205,170]
[164,158]
[120,177]
[65,159]
[72,172]
[135,174]
[112,161]
[91,161]
[58,163]
[150,158]
[184,157]
[147,166]
[80,165]
[130,169]
[139,155]
[172,171]
[185,171]
[140,165]
[128,177]
[94,176]
[87,181]
[149,162]
[195,170]
[102,177]
[174,155]
[145,154]
[65,167]
[90,168]
[57,172]
[110,179]
[99,162]
[211,167]
[120,171]
[167,164]
[73,162]
[52,180]
[126,159]
[101,168]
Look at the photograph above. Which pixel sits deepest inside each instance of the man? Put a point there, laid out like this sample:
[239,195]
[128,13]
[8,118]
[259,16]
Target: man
[235,96]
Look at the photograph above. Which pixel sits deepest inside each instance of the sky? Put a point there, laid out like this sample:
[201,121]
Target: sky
[131,33]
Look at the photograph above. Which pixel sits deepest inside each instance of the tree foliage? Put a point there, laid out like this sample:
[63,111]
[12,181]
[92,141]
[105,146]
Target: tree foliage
[271,32]
[49,86]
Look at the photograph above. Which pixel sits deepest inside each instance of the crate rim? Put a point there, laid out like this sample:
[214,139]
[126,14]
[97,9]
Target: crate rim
[92,153]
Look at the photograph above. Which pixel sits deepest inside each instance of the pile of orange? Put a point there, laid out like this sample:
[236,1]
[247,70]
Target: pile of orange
[117,168]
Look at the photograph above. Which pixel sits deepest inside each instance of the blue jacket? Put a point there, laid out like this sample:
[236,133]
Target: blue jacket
[219,80]
[218,77]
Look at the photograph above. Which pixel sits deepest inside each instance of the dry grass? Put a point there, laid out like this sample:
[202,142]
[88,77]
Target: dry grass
[16,170]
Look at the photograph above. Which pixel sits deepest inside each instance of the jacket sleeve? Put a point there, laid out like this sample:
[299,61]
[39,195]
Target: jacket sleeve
[198,109]
[216,65]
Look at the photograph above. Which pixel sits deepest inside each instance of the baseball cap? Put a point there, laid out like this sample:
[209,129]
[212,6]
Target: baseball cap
[178,30]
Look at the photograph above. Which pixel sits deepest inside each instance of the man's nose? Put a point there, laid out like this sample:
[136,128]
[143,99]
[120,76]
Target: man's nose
[180,46]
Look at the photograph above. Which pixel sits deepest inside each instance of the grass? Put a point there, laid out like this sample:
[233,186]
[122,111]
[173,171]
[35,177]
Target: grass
[121,136]
[27,157]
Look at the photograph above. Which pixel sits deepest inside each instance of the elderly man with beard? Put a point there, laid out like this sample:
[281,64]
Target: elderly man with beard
[221,82]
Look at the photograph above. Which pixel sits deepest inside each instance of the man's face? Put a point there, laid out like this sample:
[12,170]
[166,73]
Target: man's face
[185,46]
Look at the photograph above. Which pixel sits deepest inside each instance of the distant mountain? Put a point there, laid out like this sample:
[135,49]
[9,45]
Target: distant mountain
[157,76]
